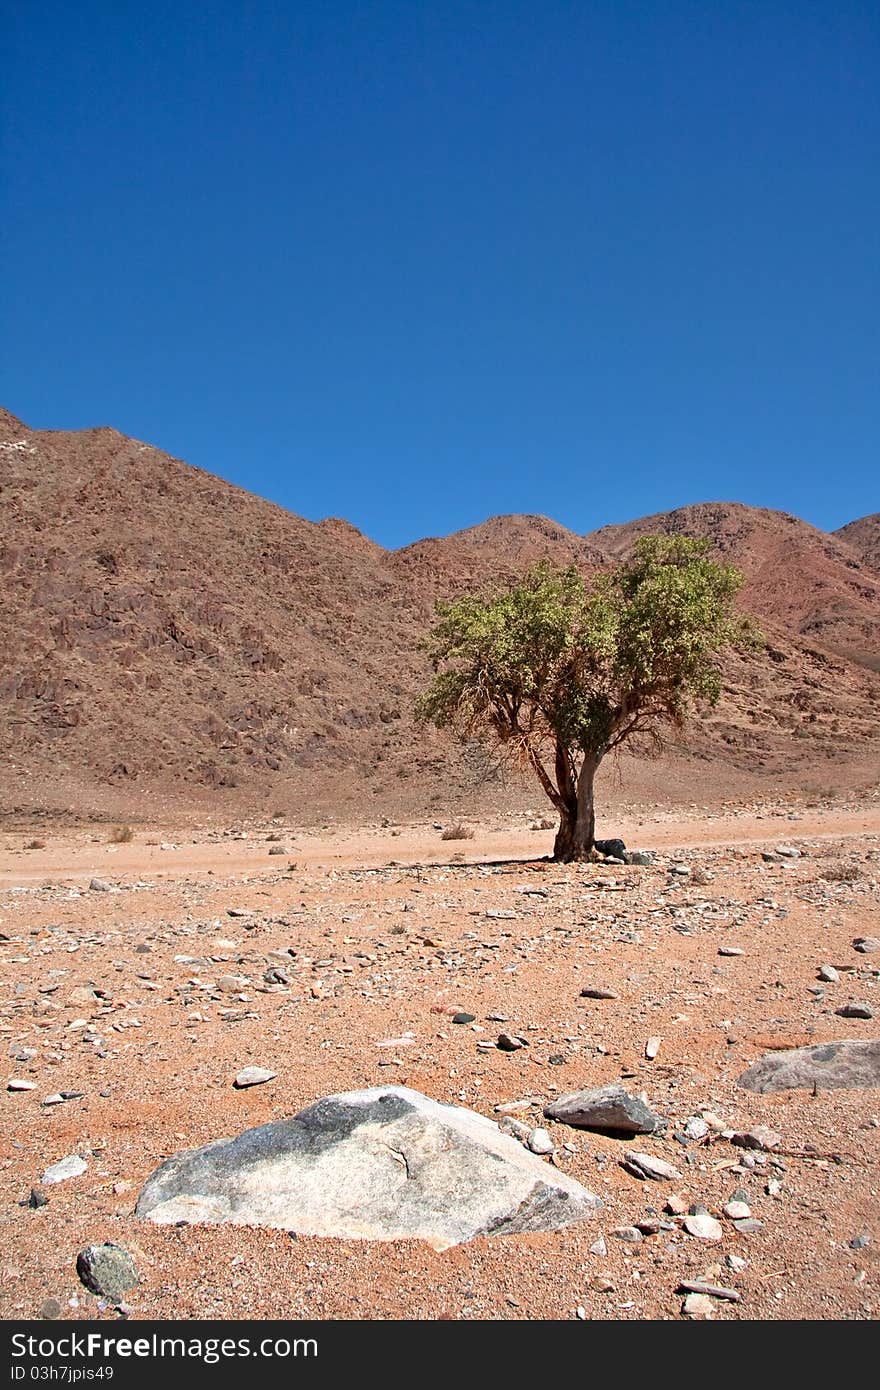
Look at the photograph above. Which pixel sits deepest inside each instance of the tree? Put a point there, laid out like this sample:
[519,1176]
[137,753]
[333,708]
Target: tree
[561,672]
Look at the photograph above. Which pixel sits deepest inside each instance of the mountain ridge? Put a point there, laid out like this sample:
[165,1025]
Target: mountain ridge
[169,634]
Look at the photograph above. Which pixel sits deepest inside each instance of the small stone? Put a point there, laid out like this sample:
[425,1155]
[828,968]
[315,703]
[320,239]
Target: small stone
[602,1284]
[855,1011]
[630,1235]
[597,992]
[696,1127]
[70,1167]
[639,858]
[253,1076]
[37,1199]
[703,1227]
[736,1211]
[736,1263]
[50,1308]
[599,1247]
[652,1047]
[14,1084]
[464,1018]
[698,1286]
[675,1205]
[860,1242]
[606,1108]
[515,1128]
[828,974]
[106,1270]
[698,1305]
[643,1165]
[539,1142]
[758,1138]
[97,885]
[506,1043]
[866,944]
[749,1226]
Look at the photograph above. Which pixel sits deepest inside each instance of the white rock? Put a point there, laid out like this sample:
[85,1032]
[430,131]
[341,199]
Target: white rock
[704,1227]
[539,1142]
[253,1076]
[71,1167]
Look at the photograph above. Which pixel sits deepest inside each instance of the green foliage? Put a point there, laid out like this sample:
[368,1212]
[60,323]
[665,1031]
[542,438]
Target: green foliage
[585,667]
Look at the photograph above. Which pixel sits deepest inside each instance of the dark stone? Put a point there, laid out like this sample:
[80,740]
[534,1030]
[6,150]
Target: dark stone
[615,848]
[464,1018]
[608,1108]
[37,1198]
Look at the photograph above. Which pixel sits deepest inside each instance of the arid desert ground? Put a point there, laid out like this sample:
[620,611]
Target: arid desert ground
[340,960]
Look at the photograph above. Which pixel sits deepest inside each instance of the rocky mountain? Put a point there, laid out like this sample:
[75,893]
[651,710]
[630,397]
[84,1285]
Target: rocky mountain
[863,536]
[169,638]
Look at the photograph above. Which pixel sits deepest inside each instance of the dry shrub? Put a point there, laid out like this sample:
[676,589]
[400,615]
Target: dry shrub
[842,873]
[459,831]
[121,834]
[36,844]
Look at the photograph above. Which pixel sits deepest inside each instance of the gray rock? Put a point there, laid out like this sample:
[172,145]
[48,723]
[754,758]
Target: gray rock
[866,944]
[748,1226]
[253,1076]
[606,1108]
[616,849]
[828,974]
[761,1137]
[828,1066]
[379,1164]
[647,1166]
[71,1167]
[639,858]
[107,1270]
[855,1011]
[97,885]
[597,992]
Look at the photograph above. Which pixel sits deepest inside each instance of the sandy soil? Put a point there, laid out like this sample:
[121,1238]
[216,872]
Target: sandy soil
[126,997]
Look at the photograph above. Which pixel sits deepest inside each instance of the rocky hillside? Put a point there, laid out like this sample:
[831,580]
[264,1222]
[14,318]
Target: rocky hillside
[168,636]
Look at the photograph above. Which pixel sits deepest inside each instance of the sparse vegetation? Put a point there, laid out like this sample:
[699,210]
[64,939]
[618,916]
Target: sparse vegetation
[121,835]
[842,872]
[36,844]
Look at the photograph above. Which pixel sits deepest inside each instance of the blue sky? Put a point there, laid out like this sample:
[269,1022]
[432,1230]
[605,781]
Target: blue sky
[415,264]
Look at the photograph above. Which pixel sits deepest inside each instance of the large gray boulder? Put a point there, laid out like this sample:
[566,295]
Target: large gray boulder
[827,1066]
[380,1164]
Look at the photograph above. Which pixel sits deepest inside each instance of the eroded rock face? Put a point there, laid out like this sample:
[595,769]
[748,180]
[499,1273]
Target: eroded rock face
[379,1164]
[828,1066]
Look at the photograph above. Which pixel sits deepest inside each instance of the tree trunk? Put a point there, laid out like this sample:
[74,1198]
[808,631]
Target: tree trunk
[577,825]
